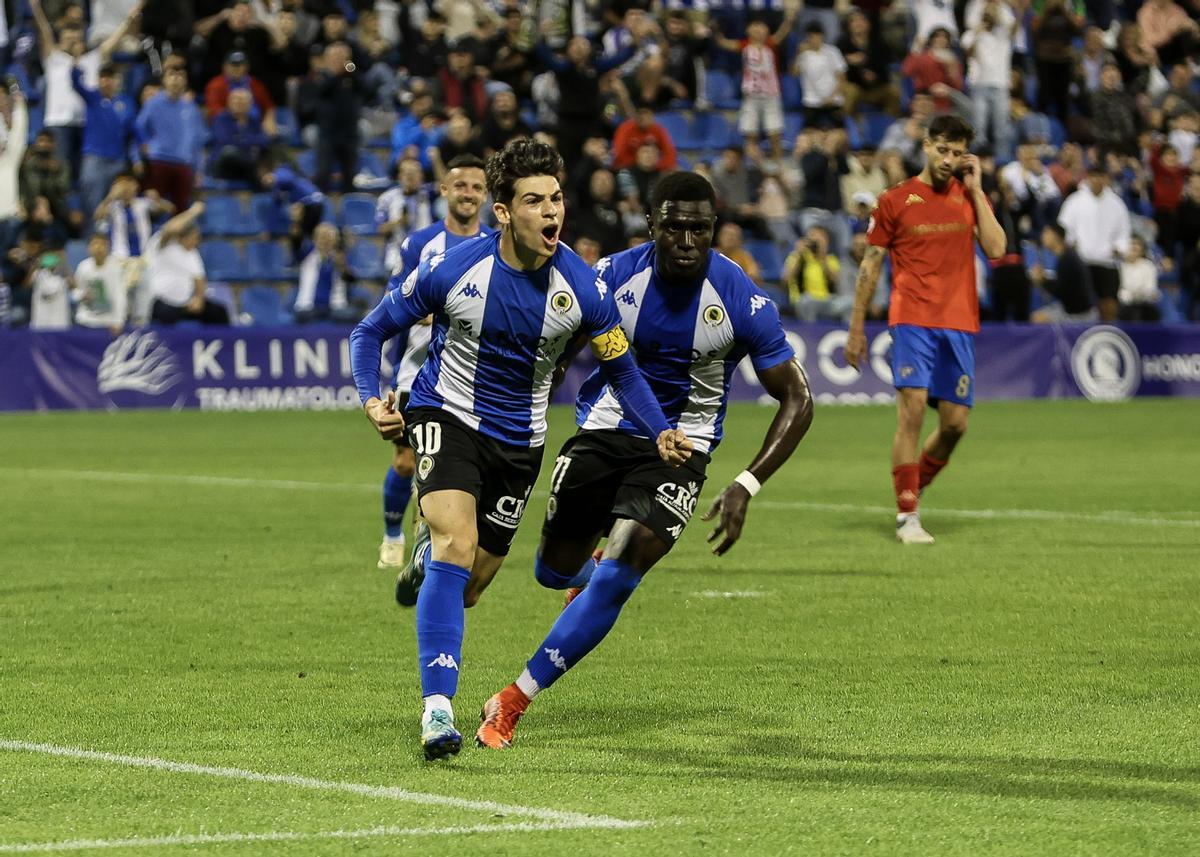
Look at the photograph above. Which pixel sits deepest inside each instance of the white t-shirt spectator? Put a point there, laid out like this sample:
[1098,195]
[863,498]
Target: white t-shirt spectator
[1139,283]
[991,63]
[1183,142]
[51,306]
[1025,183]
[974,14]
[932,14]
[63,104]
[1096,225]
[173,272]
[99,295]
[820,71]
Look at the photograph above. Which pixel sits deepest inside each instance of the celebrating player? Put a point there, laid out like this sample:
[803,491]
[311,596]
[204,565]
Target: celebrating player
[930,224]
[464,189]
[692,315]
[505,308]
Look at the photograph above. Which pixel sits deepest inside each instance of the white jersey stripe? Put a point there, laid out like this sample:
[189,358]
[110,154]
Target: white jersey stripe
[465,304]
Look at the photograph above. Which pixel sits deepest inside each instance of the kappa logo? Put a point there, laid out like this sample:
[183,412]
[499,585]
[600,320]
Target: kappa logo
[443,660]
[470,291]
[758,302]
[138,361]
[912,197]
[556,658]
[675,531]
[906,371]
[628,298]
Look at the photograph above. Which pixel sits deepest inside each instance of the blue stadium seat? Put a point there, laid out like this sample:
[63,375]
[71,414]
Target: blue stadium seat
[265,306]
[76,252]
[268,260]
[875,125]
[679,129]
[221,293]
[269,214]
[721,90]
[222,261]
[715,130]
[769,259]
[366,261]
[306,163]
[289,128]
[370,164]
[358,213]
[225,215]
[1058,134]
[792,92]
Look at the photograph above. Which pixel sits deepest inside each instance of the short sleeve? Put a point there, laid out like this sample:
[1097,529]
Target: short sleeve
[881,229]
[597,304]
[422,292]
[763,336]
[410,258]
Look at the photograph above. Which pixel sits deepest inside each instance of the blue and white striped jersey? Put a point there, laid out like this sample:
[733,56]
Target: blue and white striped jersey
[688,342]
[418,247]
[498,333]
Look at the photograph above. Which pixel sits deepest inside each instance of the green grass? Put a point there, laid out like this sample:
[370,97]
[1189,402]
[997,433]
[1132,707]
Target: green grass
[1025,686]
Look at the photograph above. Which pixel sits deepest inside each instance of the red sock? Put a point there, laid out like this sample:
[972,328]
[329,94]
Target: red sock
[930,467]
[907,479]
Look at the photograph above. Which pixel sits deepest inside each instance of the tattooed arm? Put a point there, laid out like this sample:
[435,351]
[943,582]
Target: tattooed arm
[864,288]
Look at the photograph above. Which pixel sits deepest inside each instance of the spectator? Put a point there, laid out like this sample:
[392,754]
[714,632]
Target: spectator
[989,66]
[1138,64]
[1179,96]
[12,153]
[823,162]
[289,59]
[1182,136]
[1139,294]
[425,57]
[598,217]
[233,77]
[50,304]
[729,245]
[108,135]
[178,284]
[822,72]
[1114,115]
[635,182]
[44,186]
[1092,60]
[905,137]
[65,110]
[172,133]
[737,185]
[1068,170]
[100,296]
[825,13]
[460,139]
[863,175]
[639,129]
[322,292]
[342,92]
[931,16]
[503,123]
[1010,284]
[512,53]
[1168,31]
[416,134]
[1069,285]
[237,141]
[649,86]
[238,28]
[588,250]
[302,200]
[1096,223]
[762,101]
[868,78]
[459,87]
[684,47]
[1188,225]
[127,218]
[1054,30]
[404,209]
[812,274]
[1034,190]
[937,63]
[1169,176]
[20,264]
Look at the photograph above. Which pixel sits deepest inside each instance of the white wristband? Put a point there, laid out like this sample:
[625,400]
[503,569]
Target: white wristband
[748,481]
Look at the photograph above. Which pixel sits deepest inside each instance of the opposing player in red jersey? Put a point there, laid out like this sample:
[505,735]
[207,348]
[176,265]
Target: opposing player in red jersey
[929,224]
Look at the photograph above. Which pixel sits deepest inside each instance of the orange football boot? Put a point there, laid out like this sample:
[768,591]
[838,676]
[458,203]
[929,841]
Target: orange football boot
[498,720]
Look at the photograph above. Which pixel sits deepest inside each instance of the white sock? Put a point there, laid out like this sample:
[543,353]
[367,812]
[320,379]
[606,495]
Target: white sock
[394,539]
[527,685]
[438,702]
[901,517]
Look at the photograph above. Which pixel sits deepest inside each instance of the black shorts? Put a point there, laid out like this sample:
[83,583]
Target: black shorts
[451,456]
[600,476]
[1106,282]
[401,407]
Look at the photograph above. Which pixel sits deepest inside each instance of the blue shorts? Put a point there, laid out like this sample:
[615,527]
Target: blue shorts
[938,360]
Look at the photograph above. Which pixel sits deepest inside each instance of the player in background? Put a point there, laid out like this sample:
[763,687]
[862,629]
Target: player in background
[929,224]
[465,189]
[692,315]
[505,308]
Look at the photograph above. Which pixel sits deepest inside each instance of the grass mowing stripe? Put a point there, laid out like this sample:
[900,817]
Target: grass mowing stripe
[1114,516]
[281,836]
[386,792]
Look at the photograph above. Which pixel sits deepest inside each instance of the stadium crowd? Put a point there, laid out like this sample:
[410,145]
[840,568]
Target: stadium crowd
[291,146]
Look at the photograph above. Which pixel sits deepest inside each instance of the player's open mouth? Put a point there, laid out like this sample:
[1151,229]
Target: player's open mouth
[550,235]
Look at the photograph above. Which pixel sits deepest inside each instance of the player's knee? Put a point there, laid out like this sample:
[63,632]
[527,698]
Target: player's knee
[454,548]
[954,426]
[548,577]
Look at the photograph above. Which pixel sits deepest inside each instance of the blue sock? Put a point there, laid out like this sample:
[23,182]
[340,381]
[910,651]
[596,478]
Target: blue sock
[585,622]
[440,627]
[396,491]
[552,579]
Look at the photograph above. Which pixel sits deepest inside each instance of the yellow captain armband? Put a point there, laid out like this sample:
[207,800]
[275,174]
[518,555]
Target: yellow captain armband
[610,345]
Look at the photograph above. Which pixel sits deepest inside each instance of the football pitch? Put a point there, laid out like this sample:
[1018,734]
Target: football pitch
[198,655]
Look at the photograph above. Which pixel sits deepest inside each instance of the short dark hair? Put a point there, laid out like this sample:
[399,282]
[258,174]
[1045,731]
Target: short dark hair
[951,127]
[466,162]
[519,159]
[815,27]
[682,186]
[109,70]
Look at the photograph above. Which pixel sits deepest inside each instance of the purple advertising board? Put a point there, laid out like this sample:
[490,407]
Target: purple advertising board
[308,368]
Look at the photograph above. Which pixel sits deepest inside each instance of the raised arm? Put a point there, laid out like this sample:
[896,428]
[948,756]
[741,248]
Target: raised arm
[864,288]
[45,31]
[109,45]
[988,230]
[788,385]
[180,222]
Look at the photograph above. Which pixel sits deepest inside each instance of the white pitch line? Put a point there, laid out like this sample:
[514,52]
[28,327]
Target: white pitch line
[1115,516]
[385,792]
[279,836]
[737,593]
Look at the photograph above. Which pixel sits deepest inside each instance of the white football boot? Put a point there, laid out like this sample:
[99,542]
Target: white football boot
[910,532]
